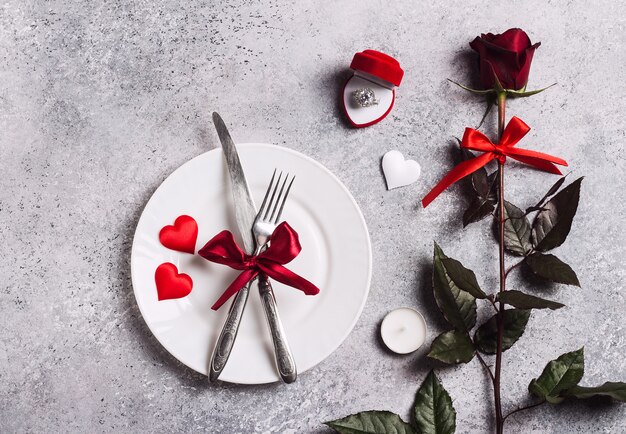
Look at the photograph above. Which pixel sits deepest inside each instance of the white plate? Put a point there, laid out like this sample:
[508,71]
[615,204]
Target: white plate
[336,256]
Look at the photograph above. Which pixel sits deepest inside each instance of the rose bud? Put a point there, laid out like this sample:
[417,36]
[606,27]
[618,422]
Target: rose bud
[506,57]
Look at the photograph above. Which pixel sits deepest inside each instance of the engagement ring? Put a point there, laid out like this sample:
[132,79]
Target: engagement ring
[364,97]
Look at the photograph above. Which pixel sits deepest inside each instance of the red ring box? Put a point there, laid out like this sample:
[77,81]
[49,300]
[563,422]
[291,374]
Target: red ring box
[379,72]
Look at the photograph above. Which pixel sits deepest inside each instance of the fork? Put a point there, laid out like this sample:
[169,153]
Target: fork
[264,225]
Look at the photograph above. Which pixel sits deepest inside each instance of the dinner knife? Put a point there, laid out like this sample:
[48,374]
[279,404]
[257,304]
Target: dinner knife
[245,212]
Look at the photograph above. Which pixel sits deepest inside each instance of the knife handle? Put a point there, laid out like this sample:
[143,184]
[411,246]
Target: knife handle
[225,341]
[284,360]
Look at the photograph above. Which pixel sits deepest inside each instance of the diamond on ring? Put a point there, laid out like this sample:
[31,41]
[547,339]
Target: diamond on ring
[364,97]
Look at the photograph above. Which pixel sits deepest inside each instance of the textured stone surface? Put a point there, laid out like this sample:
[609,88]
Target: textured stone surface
[100,101]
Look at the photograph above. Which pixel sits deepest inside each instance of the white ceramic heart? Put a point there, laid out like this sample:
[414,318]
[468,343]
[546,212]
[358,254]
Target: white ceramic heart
[398,171]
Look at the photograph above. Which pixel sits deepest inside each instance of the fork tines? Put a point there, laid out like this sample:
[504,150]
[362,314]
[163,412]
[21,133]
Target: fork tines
[274,209]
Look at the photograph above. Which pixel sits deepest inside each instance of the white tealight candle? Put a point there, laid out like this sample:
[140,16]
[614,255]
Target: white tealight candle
[403,330]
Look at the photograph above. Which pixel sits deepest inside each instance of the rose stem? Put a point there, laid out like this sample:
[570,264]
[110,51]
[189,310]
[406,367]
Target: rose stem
[500,317]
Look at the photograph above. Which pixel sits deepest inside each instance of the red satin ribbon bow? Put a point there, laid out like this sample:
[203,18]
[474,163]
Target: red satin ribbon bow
[477,141]
[284,247]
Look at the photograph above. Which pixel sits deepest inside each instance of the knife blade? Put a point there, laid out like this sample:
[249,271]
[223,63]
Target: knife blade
[245,213]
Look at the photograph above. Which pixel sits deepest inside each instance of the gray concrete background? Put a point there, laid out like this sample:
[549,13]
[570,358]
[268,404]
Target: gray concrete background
[100,101]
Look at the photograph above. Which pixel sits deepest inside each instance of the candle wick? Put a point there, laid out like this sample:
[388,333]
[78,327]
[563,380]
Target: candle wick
[402,329]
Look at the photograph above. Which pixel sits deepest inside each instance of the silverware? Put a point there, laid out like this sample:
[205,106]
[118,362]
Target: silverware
[245,214]
[265,223]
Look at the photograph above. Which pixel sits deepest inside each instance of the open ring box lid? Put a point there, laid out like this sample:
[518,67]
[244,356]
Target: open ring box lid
[379,72]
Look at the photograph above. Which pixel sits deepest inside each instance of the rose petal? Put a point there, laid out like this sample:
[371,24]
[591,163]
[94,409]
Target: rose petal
[513,40]
[522,76]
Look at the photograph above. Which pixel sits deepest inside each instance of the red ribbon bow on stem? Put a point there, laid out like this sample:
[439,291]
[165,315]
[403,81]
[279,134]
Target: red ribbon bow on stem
[283,248]
[477,141]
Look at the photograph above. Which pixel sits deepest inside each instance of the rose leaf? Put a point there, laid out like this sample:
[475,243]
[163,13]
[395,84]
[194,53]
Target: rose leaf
[516,230]
[550,192]
[559,375]
[458,306]
[477,210]
[613,390]
[434,412]
[551,268]
[452,347]
[522,300]
[552,225]
[486,335]
[463,277]
[371,422]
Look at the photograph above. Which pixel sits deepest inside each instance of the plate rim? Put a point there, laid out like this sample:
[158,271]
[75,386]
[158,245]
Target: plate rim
[334,178]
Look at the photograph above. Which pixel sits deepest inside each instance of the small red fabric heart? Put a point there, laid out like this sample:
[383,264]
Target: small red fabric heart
[170,284]
[181,236]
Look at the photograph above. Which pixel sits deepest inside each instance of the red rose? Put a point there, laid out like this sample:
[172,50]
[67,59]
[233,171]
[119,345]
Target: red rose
[506,56]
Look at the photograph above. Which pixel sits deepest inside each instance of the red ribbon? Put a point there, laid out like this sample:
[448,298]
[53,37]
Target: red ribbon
[284,246]
[477,141]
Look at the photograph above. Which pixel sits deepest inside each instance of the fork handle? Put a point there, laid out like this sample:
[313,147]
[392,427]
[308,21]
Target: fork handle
[284,360]
[225,341]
